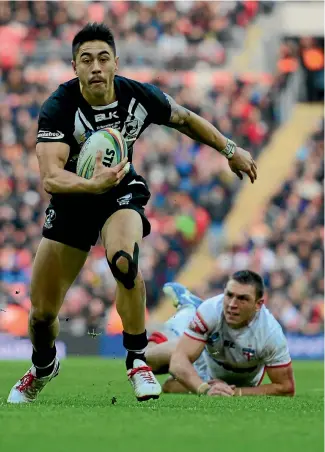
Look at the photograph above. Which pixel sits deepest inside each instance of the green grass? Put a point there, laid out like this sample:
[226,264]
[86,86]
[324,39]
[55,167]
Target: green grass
[75,413]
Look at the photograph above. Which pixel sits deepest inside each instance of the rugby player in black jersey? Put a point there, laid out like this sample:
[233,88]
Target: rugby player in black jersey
[110,204]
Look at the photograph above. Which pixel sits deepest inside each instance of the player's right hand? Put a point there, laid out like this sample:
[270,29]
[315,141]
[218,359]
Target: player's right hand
[106,178]
[220,388]
[243,162]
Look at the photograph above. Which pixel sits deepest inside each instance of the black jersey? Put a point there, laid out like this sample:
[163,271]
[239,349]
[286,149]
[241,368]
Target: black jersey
[67,117]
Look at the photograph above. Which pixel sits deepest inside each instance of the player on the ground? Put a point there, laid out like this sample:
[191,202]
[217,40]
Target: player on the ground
[111,204]
[224,345]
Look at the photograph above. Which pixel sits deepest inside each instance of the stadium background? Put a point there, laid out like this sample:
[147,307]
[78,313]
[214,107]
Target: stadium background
[256,71]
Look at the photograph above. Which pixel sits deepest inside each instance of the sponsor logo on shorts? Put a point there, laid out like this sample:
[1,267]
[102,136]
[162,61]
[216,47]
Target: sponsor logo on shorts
[124,200]
[51,135]
[197,325]
[50,217]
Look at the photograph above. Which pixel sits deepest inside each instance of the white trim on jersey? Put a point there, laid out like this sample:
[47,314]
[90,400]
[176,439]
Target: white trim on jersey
[103,107]
[136,182]
[140,112]
[135,120]
[276,366]
[131,105]
[84,119]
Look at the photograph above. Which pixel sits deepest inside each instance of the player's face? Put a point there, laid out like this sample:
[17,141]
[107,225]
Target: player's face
[240,304]
[95,67]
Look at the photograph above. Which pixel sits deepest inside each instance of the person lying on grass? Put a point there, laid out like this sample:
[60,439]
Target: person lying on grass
[224,345]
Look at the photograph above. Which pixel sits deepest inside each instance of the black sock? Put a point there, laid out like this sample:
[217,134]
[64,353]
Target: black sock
[44,361]
[135,345]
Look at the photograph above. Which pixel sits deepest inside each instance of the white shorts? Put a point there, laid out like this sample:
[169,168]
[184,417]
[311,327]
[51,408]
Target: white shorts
[175,327]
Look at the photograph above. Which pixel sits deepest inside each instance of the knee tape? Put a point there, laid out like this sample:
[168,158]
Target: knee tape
[127,279]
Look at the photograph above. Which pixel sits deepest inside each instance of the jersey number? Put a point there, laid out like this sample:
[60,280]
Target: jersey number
[108,159]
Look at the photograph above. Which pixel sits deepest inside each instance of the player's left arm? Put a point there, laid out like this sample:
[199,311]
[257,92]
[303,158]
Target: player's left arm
[278,367]
[199,129]
[282,383]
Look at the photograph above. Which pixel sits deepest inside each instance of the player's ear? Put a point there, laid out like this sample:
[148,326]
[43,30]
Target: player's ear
[117,60]
[259,304]
[74,66]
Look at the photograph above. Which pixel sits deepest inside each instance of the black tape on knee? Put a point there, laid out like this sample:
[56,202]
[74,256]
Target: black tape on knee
[127,279]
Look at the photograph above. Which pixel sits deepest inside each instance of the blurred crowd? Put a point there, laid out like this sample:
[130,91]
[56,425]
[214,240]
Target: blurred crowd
[168,34]
[191,187]
[285,245]
[307,54]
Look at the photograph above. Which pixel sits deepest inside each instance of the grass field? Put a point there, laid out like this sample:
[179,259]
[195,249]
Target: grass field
[75,413]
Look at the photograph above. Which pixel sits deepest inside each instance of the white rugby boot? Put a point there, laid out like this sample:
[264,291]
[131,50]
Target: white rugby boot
[29,386]
[144,382]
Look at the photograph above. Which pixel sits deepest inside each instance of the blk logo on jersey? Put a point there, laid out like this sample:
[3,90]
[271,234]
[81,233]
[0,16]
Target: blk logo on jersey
[197,325]
[105,117]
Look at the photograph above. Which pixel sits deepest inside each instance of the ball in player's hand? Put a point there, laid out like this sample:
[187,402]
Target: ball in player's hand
[112,146]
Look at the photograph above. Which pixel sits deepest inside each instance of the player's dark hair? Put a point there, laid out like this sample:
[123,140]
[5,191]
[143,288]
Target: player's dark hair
[248,277]
[93,32]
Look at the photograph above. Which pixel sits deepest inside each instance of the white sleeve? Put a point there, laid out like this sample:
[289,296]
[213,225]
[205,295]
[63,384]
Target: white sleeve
[276,351]
[203,322]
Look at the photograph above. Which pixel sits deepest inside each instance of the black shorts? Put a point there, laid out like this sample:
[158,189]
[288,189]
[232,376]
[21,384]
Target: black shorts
[77,220]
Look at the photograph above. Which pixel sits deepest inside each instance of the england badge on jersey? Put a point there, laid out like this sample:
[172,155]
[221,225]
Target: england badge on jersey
[249,353]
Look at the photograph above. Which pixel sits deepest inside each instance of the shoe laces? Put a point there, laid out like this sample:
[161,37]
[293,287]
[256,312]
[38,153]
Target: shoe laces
[30,384]
[26,382]
[145,372]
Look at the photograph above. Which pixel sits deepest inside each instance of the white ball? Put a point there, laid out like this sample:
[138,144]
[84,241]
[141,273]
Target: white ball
[112,145]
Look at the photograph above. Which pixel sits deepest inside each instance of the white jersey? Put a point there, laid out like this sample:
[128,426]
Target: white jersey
[237,356]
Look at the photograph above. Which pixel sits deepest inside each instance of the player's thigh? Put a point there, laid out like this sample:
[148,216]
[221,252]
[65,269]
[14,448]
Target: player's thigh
[55,268]
[121,231]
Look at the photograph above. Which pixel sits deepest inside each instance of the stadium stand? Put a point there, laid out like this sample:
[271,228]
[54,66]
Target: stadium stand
[284,244]
[184,33]
[306,53]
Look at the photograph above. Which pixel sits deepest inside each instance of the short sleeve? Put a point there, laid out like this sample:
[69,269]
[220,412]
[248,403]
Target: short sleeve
[53,123]
[276,351]
[203,322]
[158,104]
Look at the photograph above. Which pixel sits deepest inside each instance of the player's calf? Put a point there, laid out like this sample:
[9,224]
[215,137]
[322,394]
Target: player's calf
[55,268]
[43,329]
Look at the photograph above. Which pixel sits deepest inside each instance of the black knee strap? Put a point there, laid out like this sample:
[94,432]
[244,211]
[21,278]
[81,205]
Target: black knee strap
[127,279]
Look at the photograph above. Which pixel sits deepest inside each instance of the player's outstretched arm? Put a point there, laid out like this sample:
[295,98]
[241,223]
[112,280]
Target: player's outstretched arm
[52,158]
[187,352]
[181,367]
[282,383]
[199,129]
